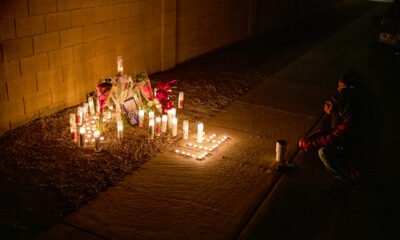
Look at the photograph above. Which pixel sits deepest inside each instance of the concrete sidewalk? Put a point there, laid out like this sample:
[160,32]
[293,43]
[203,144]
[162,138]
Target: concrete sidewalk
[234,192]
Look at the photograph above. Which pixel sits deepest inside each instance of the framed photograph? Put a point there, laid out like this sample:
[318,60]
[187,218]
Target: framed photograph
[131,111]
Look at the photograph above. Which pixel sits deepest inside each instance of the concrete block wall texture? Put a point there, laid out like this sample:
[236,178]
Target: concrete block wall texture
[53,52]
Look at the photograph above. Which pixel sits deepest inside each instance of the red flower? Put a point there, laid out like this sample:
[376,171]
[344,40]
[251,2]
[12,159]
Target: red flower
[164,91]
[103,90]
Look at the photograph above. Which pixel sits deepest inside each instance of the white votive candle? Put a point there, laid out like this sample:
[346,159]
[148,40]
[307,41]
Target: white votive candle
[79,116]
[151,115]
[151,129]
[82,136]
[185,129]
[170,116]
[200,129]
[85,111]
[97,105]
[164,120]
[158,126]
[174,126]
[91,105]
[74,136]
[141,117]
[120,130]
[97,147]
[180,99]
[72,120]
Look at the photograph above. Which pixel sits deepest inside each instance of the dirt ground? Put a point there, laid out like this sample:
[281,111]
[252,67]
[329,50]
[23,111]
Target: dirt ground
[44,176]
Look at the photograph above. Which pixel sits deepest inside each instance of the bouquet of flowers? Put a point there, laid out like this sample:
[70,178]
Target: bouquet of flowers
[103,91]
[143,83]
[164,91]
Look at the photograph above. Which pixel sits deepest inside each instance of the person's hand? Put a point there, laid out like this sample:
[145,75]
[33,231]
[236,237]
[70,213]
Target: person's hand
[302,144]
[328,107]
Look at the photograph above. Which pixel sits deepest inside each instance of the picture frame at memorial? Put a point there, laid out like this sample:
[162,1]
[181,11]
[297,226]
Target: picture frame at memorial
[130,108]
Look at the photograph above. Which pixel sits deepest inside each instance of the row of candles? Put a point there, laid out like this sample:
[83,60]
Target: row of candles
[158,125]
[89,133]
[211,144]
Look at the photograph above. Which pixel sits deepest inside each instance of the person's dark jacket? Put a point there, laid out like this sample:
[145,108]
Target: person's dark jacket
[344,130]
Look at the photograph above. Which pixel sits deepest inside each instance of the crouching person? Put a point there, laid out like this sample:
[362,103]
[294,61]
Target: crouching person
[337,145]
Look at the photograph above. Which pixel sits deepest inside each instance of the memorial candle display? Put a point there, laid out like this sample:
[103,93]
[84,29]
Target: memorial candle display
[151,129]
[96,135]
[200,129]
[164,120]
[174,126]
[120,65]
[158,126]
[141,117]
[82,137]
[180,99]
[185,129]
[91,105]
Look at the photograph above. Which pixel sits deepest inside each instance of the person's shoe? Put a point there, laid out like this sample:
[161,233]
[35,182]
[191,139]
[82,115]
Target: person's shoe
[286,168]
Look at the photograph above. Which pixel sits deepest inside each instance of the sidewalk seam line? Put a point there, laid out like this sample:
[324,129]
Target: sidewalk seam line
[275,109]
[84,230]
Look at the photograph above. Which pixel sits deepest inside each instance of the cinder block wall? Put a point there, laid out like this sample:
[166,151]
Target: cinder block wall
[54,51]
[204,25]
